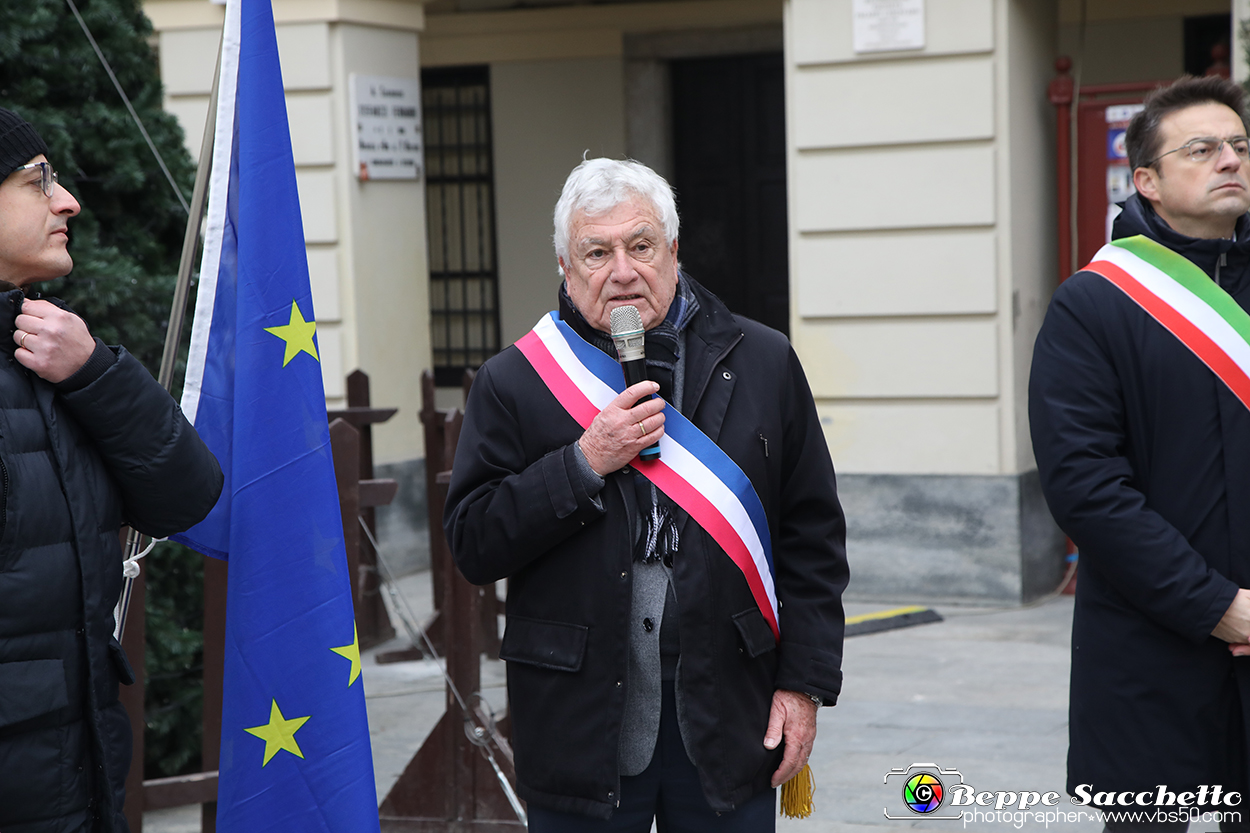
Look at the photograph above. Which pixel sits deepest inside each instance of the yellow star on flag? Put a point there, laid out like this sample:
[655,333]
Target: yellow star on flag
[279,733]
[351,652]
[298,335]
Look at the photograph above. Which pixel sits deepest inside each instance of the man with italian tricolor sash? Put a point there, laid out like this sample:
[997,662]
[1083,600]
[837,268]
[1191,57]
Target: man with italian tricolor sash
[673,623]
[1139,404]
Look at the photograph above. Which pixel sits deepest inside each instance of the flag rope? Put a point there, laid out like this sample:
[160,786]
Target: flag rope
[160,160]
[480,736]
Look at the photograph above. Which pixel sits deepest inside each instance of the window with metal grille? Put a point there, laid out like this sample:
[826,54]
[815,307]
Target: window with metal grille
[460,219]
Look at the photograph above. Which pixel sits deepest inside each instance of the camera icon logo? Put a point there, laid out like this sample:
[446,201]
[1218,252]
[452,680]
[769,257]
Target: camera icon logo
[923,787]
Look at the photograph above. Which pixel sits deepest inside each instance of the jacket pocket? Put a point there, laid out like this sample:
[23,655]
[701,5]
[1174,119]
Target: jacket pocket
[120,664]
[757,637]
[31,688]
[557,646]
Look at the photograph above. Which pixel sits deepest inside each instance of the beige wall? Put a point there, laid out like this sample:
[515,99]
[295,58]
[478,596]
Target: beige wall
[365,241]
[903,219]
[387,280]
[583,31]
[1130,40]
[1029,263]
[1157,53]
[545,115]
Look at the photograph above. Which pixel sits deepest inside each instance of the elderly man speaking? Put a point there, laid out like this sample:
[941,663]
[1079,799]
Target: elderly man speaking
[673,625]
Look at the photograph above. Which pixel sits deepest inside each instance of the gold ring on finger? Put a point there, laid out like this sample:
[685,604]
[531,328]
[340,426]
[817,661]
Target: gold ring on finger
[22,342]
[642,428]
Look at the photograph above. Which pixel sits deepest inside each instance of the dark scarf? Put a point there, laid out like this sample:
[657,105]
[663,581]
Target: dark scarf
[663,340]
[657,536]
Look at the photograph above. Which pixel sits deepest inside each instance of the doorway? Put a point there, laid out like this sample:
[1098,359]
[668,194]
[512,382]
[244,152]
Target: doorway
[729,171]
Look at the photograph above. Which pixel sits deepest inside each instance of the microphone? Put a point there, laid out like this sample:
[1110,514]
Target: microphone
[627,334]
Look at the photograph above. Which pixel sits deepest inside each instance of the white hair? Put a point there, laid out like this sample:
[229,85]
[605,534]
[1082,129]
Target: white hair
[597,186]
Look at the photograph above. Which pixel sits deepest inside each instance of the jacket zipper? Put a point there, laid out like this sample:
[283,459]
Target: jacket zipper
[1223,261]
[4,495]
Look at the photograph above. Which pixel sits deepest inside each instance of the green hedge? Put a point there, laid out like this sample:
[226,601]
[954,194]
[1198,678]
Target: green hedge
[175,660]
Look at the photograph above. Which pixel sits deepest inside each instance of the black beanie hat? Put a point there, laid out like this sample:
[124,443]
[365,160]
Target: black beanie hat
[19,143]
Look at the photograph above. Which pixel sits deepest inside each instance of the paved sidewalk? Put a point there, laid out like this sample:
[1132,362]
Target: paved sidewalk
[984,693]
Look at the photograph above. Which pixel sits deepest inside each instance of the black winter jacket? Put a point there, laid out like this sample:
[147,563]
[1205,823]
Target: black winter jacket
[1144,459]
[517,508]
[76,462]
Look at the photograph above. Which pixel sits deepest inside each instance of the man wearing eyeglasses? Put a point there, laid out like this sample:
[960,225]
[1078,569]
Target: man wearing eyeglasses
[88,441]
[1139,404]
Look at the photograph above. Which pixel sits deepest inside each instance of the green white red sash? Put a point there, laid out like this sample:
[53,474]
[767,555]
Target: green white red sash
[1181,297]
[692,470]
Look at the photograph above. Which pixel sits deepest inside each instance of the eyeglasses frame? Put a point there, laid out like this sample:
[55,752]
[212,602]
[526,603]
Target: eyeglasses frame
[47,176]
[1219,148]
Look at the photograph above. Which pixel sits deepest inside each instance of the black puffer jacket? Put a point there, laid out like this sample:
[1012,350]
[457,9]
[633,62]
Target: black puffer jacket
[517,507]
[107,447]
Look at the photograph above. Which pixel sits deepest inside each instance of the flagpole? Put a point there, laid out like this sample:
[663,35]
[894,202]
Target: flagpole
[177,313]
[191,240]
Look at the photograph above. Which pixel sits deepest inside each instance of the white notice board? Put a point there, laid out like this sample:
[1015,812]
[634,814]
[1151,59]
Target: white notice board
[386,127]
[887,25]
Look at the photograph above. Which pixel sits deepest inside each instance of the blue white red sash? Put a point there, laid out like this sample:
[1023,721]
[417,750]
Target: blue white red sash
[692,470]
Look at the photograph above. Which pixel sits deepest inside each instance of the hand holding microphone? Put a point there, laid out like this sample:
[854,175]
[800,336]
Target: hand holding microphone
[629,337]
[623,429]
[631,425]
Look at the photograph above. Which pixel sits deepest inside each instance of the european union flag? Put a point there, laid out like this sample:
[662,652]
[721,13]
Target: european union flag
[295,739]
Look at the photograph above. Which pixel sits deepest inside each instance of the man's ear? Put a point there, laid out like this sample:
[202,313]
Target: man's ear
[1146,181]
[564,267]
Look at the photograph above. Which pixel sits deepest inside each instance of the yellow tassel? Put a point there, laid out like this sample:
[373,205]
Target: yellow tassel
[797,794]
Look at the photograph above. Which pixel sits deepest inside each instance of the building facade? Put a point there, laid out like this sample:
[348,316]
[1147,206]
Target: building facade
[887,198]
